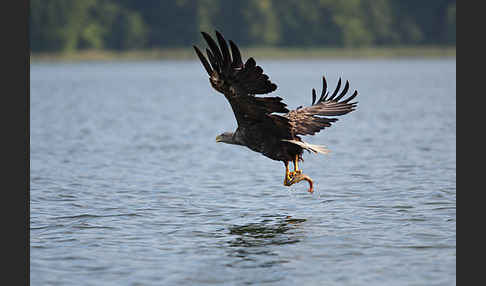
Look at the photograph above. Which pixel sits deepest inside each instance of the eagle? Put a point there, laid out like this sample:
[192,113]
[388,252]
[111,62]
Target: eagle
[265,125]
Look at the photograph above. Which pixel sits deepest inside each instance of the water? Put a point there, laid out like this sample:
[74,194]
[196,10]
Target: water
[129,187]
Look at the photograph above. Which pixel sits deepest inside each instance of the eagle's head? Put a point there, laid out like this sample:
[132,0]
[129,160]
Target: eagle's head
[226,137]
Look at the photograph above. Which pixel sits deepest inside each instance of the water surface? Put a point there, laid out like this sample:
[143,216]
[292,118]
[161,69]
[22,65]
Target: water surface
[128,186]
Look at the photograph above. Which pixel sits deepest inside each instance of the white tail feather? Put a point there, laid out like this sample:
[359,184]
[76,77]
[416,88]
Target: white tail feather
[310,147]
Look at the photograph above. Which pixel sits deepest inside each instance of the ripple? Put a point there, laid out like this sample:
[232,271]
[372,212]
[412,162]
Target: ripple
[128,186]
[95,216]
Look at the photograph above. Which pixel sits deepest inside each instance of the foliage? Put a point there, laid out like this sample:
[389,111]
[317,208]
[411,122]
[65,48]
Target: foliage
[60,25]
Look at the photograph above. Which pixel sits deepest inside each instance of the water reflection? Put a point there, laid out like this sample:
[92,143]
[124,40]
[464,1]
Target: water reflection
[251,242]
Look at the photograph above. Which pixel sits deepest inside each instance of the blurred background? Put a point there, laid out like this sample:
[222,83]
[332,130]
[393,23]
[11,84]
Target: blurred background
[125,25]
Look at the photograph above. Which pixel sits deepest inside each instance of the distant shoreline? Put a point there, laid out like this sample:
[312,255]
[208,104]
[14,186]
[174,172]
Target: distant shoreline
[261,53]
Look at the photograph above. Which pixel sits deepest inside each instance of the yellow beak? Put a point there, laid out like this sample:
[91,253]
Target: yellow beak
[218,138]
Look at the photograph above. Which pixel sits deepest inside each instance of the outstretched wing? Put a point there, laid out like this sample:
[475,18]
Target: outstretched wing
[310,120]
[238,81]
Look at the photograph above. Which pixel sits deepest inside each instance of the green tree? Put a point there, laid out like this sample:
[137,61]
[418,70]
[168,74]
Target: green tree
[68,25]
[378,19]
[251,22]
[55,24]
[169,23]
[450,26]
[419,22]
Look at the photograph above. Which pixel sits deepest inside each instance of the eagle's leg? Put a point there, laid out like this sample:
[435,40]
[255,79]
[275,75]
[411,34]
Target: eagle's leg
[287,179]
[300,177]
[296,166]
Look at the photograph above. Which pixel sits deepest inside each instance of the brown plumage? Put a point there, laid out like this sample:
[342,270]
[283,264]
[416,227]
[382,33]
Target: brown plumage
[260,127]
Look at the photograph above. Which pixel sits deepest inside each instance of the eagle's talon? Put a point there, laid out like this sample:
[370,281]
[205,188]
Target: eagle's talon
[287,181]
[293,174]
[300,177]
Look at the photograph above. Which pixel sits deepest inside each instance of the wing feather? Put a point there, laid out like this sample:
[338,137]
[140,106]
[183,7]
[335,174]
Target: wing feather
[225,52]
[212,60]
[239,82]
[229,74]
[310,120]
[214,48]
[237,62]
[203,60]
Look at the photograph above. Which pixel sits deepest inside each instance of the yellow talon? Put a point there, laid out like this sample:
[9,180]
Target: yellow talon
[296,176]
[302,177]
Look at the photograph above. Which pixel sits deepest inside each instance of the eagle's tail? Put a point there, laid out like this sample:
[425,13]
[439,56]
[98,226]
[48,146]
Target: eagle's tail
[310,147]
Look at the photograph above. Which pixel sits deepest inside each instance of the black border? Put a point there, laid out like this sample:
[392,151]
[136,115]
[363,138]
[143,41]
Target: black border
[16,135]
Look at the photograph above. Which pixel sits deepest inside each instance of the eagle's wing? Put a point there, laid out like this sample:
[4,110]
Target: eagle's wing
[239,82]
[310,120]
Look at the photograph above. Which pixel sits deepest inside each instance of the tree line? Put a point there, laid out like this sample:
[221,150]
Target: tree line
[69,25]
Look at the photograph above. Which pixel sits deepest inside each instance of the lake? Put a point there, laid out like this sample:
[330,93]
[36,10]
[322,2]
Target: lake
[129,187]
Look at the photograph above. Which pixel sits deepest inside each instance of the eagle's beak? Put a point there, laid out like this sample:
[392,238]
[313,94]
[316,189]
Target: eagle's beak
[219,138]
